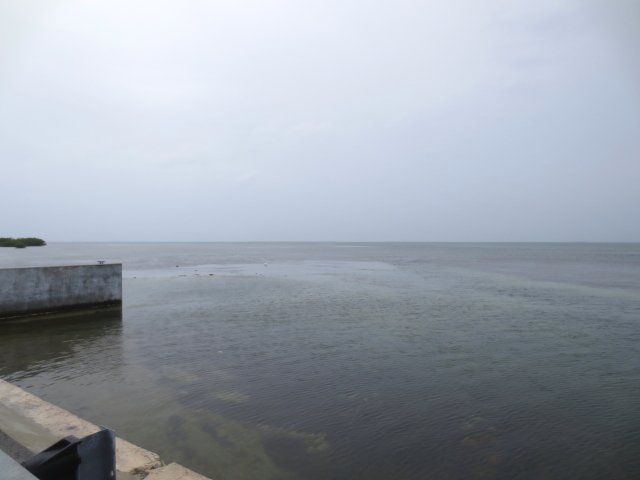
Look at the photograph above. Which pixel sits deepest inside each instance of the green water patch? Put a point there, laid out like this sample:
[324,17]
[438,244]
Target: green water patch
[221,447]
[224,448]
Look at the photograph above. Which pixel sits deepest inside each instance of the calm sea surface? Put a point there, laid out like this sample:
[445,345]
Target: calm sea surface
[352,361]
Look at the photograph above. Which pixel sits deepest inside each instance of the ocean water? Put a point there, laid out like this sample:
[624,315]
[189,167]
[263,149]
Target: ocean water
[352,361]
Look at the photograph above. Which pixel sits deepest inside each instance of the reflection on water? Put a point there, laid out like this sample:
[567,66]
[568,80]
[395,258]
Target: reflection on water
[393,361]
[39,344]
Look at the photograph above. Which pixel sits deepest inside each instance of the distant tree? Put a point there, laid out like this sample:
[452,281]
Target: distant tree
[33,241]
[21,242]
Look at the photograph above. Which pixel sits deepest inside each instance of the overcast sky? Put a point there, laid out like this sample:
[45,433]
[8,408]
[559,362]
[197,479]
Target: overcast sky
[348,120]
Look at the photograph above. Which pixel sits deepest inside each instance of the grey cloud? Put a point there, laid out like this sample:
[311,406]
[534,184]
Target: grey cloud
[329,120]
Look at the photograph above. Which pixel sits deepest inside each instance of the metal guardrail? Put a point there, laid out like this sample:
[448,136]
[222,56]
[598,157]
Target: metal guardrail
[90,458]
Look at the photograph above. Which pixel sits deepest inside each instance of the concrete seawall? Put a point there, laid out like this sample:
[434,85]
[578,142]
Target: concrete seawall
[27,291]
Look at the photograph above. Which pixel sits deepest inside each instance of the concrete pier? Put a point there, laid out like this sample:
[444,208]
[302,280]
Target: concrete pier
[33,290]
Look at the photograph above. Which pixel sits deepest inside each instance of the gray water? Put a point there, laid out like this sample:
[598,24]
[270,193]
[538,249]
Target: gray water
[353,361]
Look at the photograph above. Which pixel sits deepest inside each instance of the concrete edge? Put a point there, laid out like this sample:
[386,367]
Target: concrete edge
[65,266]
[33,417]
[14,449]
[173,471]
[61,309]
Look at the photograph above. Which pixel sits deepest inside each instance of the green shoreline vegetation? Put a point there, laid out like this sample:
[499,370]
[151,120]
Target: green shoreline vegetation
[21,242]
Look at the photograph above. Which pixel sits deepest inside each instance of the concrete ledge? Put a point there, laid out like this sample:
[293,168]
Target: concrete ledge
[36,424]
[173,471]
[14,449]
[48,310]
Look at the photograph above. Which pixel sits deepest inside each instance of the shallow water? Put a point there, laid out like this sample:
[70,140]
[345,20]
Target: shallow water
[353,361]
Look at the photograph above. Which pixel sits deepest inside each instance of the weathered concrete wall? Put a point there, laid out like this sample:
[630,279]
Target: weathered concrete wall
[25,291]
